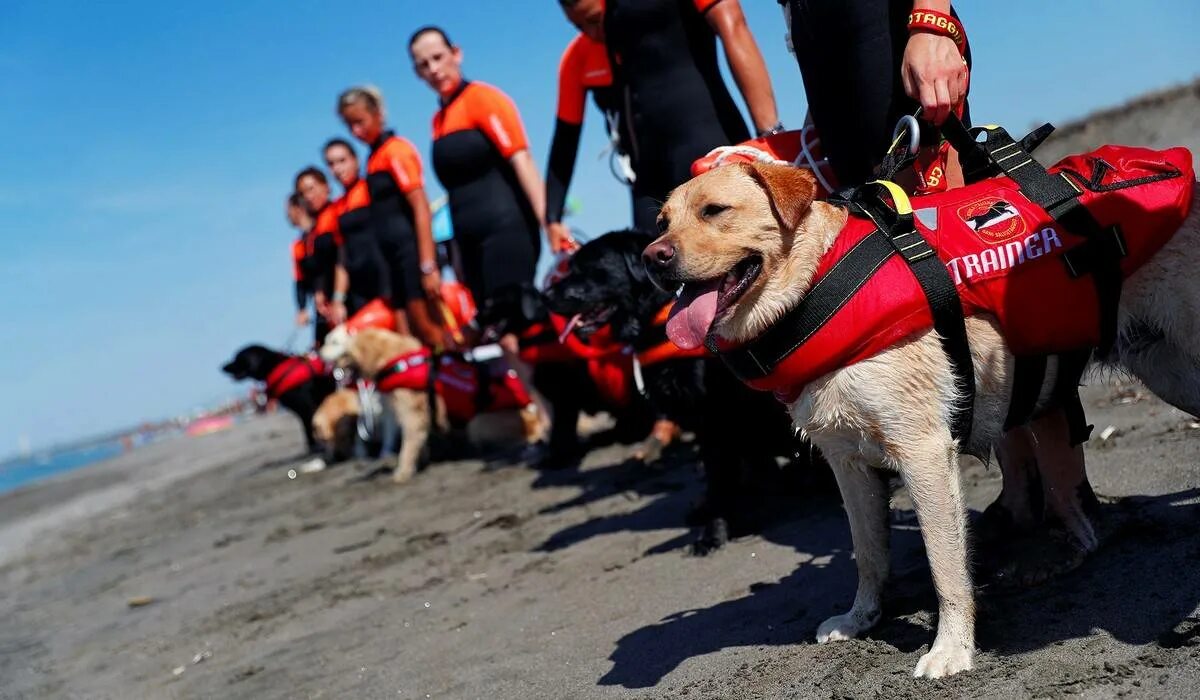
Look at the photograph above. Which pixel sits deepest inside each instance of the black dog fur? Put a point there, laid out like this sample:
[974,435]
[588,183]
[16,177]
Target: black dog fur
[740,431]
[256,362]
[566,385]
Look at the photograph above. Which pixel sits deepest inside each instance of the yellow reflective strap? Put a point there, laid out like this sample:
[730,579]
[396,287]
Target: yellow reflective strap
[899,197]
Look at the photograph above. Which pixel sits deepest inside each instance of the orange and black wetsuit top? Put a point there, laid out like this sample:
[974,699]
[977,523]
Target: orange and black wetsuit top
[676,104]
[394,171]
[475,133]
[303,284]
[360,250]
[584,68]
[318,254]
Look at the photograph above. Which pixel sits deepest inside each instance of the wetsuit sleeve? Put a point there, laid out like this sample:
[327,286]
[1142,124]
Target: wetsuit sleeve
[497,117]
[572,94]
[563,150]
[703,6]
[405,166]
[564,147]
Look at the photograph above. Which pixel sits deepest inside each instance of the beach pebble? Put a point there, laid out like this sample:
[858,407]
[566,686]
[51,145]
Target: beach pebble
[139,601]
[206,654]
[178,671]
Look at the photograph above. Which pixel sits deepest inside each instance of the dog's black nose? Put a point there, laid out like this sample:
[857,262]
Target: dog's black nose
[658,254]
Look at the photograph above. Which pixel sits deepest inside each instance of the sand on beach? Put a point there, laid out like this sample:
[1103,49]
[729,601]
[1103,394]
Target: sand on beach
[491,581]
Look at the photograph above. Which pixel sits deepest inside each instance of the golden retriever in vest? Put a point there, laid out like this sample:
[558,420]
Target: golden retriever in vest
[891,412]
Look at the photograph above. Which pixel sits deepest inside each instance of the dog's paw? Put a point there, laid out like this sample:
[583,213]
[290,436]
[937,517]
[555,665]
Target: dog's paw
[944,660]
[403,475]
[840,628]
[714,536]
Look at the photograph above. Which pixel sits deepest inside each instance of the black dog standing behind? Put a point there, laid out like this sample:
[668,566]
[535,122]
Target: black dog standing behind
[740,431]
[299,384]
[563,382]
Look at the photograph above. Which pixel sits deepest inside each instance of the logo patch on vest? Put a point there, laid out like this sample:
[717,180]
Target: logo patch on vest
[993,219]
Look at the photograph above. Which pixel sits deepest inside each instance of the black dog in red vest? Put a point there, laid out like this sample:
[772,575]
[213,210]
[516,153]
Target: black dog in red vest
[300,384]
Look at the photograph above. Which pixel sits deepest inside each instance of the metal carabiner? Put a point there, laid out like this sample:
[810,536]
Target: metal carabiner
[908,123]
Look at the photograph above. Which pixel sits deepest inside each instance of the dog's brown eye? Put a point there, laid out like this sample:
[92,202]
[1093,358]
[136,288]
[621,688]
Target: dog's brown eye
[711,210]
[664,223]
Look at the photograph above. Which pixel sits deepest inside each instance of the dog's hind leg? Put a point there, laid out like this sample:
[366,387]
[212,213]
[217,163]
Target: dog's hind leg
[865,496]
[929,465]
[412,410]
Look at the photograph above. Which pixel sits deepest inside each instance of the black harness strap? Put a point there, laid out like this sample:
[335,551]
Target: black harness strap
[942,297]
[894,234]
[760,357]
[1100,254]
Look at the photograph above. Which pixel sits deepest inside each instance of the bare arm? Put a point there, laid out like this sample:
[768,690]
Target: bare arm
[431,281]
[745,62]
[531,183]
[933,71]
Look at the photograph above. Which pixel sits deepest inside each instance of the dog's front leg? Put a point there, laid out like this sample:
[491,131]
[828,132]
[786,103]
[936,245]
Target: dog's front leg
[865,496]
[412,410]
[929,465]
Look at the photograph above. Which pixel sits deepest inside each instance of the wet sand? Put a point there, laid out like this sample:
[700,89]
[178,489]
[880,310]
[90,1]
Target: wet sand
[478,581]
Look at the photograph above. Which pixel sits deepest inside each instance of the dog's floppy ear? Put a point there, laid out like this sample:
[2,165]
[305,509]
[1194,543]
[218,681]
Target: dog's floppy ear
[789,189]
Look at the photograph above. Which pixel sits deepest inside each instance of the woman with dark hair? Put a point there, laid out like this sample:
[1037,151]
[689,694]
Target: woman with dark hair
[362,273]
[497,200]
[481,156]
[400,213]
[317,251]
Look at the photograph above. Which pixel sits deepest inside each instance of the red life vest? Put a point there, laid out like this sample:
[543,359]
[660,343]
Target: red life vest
[293,372]
[1005,256]
[609,364]
[456,381]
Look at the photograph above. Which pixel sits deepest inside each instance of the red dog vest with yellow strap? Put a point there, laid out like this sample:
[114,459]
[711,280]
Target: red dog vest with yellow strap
[293,372]
[456,381]
[1005,257]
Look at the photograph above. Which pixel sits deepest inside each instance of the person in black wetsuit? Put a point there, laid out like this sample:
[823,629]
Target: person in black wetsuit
[674,105]
[362,273]
[481,156]
[317,252]
[400,213]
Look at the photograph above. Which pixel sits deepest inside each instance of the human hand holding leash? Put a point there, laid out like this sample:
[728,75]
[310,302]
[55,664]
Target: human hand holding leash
[934,70]
[560,238]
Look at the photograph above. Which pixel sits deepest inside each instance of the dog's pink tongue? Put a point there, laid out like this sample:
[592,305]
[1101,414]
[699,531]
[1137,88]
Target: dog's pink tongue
[693,314]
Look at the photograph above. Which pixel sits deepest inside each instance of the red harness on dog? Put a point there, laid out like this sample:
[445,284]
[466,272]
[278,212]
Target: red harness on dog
[608,365]
[293,372]
[456,381]
[1006,256]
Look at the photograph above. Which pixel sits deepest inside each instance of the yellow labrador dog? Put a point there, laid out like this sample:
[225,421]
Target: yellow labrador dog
[754,235]
[369,350]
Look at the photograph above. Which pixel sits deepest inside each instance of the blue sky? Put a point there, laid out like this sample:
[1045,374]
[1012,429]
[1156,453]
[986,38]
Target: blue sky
[149,146]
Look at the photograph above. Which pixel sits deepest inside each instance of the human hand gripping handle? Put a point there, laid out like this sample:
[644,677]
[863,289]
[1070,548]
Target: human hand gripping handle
[934,71]
[560,238]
